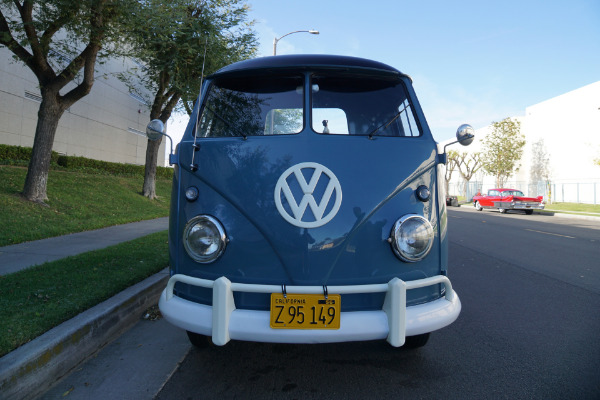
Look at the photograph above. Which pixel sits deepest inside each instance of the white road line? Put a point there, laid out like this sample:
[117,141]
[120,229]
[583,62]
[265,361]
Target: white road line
[553,234]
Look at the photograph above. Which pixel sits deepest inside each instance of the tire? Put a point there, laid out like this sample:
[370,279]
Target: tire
[478,206]
[528,212]
[414,342]
[198,340]
[502,210]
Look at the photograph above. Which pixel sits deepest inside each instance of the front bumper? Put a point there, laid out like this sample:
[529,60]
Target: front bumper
[393,322]
[519,206]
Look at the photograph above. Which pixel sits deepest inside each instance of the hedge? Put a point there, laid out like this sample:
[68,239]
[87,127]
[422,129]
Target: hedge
[17,155]
[14,154]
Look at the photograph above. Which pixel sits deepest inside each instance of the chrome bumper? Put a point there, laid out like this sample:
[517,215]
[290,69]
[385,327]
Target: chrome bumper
[519,206]
[393,322]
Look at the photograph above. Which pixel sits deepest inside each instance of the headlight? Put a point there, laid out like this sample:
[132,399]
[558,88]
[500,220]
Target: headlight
[204,239]
[412,238]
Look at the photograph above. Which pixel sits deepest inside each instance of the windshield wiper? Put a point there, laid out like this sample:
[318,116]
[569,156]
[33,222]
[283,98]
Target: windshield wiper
[388,123]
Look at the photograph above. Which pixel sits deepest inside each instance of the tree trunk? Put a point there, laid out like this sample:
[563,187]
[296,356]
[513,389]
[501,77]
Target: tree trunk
[149,188]
[37,174]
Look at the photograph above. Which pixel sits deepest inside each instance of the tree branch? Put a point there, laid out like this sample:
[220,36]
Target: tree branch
[85,59]
[36,64]
[173,100]
[25,11]
[7,39]
[52,28]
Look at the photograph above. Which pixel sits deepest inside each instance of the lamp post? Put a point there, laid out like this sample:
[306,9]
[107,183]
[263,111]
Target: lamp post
[275,40]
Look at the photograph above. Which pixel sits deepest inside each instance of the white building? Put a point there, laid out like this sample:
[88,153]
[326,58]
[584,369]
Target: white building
[108,124]
[569,125]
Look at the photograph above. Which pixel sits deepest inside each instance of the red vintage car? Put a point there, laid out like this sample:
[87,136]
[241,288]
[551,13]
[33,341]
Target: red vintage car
[508,199]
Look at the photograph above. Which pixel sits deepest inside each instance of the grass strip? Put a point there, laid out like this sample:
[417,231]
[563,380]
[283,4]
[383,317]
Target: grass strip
[574,207]
[37,299]
[77,202]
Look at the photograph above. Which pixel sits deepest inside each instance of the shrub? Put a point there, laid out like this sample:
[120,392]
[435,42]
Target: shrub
[17,155]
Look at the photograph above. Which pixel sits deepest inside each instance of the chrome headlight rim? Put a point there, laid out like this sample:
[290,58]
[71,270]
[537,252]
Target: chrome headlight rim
[220,236]
[396,236]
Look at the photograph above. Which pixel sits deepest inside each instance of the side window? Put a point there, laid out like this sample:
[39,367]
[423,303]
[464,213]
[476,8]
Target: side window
[493,193]
[407,120]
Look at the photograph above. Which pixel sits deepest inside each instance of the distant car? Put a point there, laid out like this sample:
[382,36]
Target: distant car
[508,199]
[452,201]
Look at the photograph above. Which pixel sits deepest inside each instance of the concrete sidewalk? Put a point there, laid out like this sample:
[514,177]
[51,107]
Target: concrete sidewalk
[23,255]
[36,366]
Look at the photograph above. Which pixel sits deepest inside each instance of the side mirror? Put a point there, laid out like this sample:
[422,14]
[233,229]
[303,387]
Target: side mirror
[154,131]
[465,134]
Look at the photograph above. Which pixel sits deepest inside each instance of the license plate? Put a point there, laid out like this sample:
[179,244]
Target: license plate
[305,311]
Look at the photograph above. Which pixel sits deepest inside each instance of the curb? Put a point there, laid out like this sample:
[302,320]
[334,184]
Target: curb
[560,214]
[33,368]
[547,213]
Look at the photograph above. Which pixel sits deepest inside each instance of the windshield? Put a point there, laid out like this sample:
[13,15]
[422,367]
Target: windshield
[253,106]
[341,103]
[512,193]
[361,105]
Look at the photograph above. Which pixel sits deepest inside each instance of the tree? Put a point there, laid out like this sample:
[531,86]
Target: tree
[540,160]
[59,41]
[502,150]
[468,164]
[173,41]
[540,170]
[451,165]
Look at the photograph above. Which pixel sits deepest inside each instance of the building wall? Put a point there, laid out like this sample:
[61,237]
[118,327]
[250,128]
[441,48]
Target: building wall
[108,124]
[569,125]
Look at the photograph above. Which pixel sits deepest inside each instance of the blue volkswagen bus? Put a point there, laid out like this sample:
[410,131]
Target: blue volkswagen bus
[308,206]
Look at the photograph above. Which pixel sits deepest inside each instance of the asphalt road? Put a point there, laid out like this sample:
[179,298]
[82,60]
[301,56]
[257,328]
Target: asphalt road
[529,328]
[563,248]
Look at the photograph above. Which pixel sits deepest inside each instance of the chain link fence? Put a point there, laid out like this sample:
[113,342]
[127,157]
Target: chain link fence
[553,192]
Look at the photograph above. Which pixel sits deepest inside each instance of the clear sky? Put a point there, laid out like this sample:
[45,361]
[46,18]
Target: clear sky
[471,61]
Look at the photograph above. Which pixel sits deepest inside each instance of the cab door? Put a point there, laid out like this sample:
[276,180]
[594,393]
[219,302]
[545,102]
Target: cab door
[488,201]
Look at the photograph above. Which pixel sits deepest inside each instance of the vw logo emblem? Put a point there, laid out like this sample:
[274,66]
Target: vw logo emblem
[320,174]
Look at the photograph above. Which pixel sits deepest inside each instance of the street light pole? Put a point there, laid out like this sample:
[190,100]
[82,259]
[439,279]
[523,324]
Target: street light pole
[275,40]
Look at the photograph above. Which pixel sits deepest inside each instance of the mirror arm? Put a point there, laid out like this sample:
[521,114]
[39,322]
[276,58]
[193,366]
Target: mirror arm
[172,156]
[443,158]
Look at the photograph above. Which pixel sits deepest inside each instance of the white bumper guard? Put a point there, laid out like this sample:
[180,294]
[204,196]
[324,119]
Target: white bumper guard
[393,322]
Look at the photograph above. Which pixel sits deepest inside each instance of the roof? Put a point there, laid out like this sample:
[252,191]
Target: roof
[309,61]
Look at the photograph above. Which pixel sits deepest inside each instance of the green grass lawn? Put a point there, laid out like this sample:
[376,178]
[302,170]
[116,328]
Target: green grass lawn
[77,202]
[574,207]
[37,299]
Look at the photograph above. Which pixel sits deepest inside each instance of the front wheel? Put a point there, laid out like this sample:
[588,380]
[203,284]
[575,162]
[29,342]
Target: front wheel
[528,212]
[502,210]
[478,206]
[414,342]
